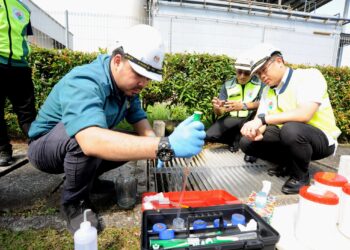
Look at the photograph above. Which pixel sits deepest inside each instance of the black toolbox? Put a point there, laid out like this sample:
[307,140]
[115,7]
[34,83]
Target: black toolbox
[265,237]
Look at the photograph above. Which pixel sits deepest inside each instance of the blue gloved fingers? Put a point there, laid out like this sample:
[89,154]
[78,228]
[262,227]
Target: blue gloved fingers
[186,122]
[198,125]
[188,141]
[160,164]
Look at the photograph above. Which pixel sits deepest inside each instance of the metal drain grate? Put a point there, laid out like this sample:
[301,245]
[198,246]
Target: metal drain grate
[216,168]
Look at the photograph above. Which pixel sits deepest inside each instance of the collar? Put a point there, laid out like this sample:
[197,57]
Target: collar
[285,81]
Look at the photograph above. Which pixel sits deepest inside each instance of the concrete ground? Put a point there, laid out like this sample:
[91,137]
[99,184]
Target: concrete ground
[29,198]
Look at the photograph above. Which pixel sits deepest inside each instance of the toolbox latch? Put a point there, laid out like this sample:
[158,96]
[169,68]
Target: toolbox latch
[254,244]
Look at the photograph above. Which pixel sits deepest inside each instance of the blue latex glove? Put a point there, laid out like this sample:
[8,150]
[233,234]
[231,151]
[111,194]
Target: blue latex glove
[187,139]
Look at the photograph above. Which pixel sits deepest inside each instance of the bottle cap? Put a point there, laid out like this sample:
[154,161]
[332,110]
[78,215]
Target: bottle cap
[321,196]
[199,224]
[167,234]
[330,179]
[158,227]
[197,115]
[346,188]
[238,219]
[217,223]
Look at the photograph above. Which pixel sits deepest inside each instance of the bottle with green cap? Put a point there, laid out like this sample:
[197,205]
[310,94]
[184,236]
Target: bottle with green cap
[197,115]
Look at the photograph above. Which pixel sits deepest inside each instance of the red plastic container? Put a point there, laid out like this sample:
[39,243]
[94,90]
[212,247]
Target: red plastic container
[193,199]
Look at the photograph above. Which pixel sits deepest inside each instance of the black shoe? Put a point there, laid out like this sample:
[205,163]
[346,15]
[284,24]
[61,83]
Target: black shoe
[6,157]
[102,186]
[74,215]
[233,149]
[249,158]
[292,185]
[278,171]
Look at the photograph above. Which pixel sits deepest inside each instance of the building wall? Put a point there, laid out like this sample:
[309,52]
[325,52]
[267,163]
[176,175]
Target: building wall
[203,30]
[47,31]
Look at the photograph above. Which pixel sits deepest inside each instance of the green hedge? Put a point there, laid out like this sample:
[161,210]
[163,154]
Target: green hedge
[189,79]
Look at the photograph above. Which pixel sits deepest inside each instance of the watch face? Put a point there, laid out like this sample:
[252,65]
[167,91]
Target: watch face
[165,153]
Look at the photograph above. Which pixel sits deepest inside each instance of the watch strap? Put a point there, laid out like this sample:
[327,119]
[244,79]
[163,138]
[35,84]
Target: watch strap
[262,118]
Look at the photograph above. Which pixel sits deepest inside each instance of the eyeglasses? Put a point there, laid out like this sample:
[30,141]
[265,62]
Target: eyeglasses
[265,67]
[243,72]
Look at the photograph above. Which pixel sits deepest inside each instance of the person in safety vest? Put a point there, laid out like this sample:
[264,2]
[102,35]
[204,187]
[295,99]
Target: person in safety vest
[295,122]
[73,134]
[16,75]
[237,103]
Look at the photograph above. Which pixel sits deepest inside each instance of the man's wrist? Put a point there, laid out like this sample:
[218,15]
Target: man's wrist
[244,106]
[165,152]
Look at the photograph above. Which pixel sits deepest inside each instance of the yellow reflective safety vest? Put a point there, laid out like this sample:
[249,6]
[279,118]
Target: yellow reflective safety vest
[245,93]
[14,20]
[323,118]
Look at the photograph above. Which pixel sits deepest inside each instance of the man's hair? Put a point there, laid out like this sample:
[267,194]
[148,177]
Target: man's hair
[118,51]
[275,55]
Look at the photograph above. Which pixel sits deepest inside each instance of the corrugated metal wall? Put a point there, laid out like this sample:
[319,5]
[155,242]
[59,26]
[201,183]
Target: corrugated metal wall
[188,29]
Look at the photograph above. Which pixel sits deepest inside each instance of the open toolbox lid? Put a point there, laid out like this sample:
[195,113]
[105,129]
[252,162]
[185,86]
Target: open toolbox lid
[190,199]
[264,237]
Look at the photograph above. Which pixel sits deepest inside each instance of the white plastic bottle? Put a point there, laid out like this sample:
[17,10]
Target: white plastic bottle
[261,196]
[85,238]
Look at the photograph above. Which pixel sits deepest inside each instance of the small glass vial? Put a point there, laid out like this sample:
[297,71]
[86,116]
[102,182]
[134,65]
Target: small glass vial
[126,188]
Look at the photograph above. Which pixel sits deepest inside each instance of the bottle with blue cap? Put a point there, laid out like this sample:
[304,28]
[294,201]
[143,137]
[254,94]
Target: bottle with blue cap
[85,238]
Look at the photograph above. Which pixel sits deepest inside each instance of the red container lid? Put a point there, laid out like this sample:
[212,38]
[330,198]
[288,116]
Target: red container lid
[346,188]
[327,197]
[330,179]
[193,199]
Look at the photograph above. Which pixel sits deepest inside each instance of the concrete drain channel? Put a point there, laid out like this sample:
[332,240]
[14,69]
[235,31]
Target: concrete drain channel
[216,168]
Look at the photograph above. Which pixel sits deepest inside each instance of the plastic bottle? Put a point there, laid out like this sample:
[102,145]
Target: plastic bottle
[85,238]
[261,196]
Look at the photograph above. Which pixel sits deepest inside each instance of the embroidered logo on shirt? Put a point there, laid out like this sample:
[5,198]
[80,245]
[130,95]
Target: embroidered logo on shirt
[18,15]
[156,59]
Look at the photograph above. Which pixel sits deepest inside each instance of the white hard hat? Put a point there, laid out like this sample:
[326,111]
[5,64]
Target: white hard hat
[260,54]
[143,47]
[243,62]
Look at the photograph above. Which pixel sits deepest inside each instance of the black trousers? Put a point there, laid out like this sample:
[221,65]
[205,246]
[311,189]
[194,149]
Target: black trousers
[226,130]
[16,84]
[56,153]
[295,145]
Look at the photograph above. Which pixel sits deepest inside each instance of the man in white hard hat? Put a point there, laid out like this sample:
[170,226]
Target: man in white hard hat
[295,122]
[73,134]
[237,102]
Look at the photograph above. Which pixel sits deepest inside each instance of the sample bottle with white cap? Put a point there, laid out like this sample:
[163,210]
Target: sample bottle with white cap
[85,238]
[261,196]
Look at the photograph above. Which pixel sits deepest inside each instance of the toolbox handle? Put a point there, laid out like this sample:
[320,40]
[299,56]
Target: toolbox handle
[192,218]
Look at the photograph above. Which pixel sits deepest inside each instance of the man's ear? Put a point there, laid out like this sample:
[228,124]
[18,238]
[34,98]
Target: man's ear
[117,59]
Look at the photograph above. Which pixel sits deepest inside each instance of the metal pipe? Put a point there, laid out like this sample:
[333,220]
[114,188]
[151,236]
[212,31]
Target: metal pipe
[346,8]
[67,29]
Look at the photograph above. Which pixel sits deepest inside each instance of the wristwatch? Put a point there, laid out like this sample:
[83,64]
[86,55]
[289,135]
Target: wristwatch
[245,107]
[262,118]
[164,152]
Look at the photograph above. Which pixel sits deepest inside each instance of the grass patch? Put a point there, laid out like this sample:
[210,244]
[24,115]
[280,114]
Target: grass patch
[110,238]
[40,207]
